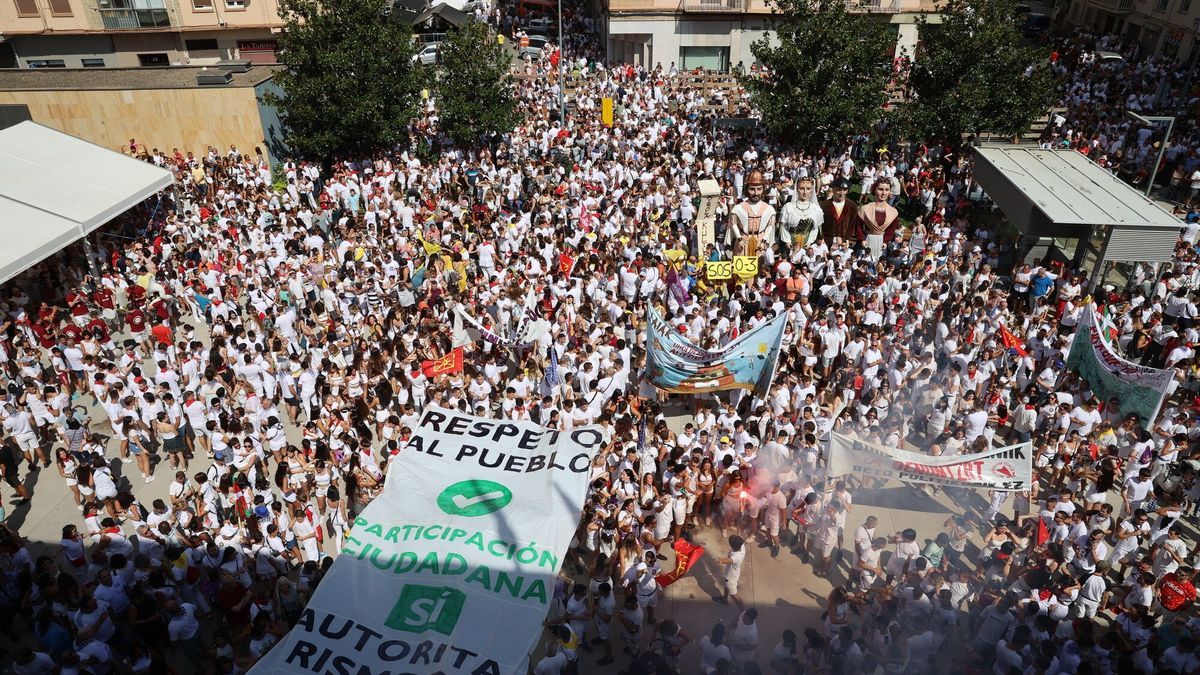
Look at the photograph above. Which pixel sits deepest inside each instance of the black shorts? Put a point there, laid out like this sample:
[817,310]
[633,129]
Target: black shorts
[10,476]
[295,402]
[172,445]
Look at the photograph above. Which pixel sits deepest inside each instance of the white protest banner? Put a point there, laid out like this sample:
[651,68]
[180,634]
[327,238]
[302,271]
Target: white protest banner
[1008,469]
[530,326]
[452,568]
[706,216]
[1137,388]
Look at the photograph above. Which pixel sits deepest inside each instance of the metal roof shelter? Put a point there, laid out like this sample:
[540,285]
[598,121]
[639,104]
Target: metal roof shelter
[1062,193]
[56,189]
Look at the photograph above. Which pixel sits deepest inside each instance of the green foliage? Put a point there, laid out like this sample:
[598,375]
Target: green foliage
[278,178]
[829,71]
[349,86]
[973,74]
[475,90]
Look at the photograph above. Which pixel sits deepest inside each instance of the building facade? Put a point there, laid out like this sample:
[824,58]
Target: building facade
[1161,27]
[717,34]
[133,33]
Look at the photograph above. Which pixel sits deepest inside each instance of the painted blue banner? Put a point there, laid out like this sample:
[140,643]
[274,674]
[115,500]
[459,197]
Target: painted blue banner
[677,366]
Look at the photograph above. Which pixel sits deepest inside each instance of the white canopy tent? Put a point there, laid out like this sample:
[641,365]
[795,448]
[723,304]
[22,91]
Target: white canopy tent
[56,189]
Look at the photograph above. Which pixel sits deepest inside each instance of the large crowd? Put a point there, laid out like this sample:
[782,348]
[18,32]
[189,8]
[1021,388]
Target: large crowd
[258,348]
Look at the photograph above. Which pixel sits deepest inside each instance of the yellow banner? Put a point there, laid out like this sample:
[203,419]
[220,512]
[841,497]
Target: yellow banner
[745,266]
[718,270]
[606,111]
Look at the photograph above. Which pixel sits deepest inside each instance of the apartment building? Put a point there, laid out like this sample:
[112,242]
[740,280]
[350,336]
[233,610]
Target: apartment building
[132,33]
[1162,27]
[717,34]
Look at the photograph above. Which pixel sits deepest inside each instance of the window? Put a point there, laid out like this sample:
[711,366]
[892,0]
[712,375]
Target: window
[93,63]
[201,45]
[235,4]
[60,7]
[46,63]
[1161,5]
[153,60]
[1184,7]
[708,58]
[202,5]
[27,8]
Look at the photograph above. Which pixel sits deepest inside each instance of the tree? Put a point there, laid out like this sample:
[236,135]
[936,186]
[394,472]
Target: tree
[828,71]
[972,74]
[475,90]
[349,83]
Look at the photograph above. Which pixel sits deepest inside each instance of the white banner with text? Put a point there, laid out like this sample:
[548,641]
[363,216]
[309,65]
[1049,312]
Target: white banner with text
[1009,468]
[452,568]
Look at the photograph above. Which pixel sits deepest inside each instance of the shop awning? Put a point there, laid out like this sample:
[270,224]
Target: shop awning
[55,189]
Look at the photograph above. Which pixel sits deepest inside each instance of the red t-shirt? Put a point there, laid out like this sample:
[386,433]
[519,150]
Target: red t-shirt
[44,333]
[98,325]
[103,297]
[136,321]
[136,294]
[162,334]
[228,598]
[72,332]
[1175,592]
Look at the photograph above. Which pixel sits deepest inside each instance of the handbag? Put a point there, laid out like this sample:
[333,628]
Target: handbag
[406,297]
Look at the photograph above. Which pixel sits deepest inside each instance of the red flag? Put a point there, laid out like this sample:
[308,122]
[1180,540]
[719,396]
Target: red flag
[1043,533]
[565,263]
[450,363]
[686,555]
[1012,341]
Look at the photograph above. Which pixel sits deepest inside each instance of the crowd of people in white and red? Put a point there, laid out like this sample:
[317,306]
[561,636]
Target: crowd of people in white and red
[258,349]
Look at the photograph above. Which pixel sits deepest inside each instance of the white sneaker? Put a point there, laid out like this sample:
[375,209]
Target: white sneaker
[127,460]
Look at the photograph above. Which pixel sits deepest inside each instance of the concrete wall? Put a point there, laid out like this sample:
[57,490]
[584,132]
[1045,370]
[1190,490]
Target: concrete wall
[663,37]
[72,49]
[654,39]
[188,119]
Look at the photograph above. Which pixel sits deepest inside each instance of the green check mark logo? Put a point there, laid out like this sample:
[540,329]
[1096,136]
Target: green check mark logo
[472,498]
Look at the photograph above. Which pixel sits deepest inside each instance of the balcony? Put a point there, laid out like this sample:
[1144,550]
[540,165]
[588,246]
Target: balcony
[765,7]
[874,6]
[1114,6]
[715,6]
[126,18]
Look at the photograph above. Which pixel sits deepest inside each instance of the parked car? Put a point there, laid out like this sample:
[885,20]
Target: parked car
[541,23]
[532,45]
[428,55]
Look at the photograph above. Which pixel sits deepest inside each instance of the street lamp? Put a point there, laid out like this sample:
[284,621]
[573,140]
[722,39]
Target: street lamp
[1151,121]
[562,73]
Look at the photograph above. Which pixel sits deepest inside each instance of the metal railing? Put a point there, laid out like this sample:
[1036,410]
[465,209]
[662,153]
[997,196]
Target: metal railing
[714,6]
[872,6]
[135,18]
